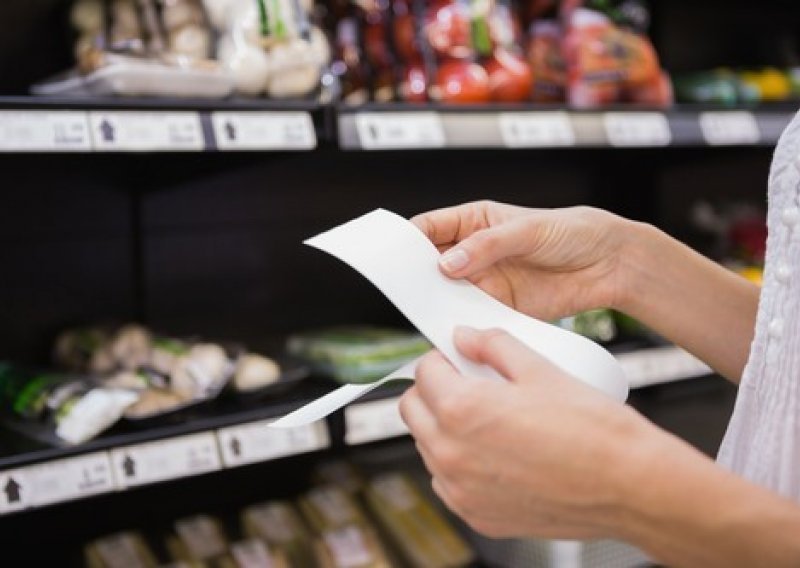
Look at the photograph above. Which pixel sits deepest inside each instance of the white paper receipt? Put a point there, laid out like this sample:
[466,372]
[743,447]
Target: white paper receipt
[399,259]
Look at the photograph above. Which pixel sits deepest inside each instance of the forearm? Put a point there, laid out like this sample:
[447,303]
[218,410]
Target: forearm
[689,299]
[685,511]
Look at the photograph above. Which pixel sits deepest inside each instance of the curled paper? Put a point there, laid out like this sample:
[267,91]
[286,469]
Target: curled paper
[402,263]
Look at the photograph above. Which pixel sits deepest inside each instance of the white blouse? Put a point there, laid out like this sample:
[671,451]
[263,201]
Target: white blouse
[762,443]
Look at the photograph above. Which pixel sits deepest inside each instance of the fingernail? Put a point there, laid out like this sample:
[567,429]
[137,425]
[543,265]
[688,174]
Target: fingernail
[454,260]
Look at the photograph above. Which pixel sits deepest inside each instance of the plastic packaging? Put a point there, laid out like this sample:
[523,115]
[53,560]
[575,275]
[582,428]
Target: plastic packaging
[357,354]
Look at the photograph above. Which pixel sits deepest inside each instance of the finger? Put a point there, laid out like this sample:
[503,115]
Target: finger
[437,380]
[503,352]
[486,247]
[449,224]
[419,419]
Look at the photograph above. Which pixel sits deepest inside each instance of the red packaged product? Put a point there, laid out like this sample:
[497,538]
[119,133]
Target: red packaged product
[603,59]
[510,77]
[547,62]
[461,81]
[448,29]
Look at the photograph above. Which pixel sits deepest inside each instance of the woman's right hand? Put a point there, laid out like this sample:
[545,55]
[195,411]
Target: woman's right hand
[548,263]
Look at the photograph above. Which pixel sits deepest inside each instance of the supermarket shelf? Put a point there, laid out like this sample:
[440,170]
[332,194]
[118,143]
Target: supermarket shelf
[70,125]
[238,437]
[396,127]
[115,463]
[75,125]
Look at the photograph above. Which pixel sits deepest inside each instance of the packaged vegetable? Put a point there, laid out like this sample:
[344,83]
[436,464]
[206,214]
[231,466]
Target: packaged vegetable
[121,550]
[357,353]
[423,536]
[278,524]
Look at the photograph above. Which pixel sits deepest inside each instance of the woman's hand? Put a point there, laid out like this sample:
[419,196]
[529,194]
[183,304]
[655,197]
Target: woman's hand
[551,263]
[544,455]
[541,454]
[546,263]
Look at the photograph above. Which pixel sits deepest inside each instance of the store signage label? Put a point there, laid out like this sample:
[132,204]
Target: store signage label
[721,128]
[165,459]
[71,478]
[15,491]
[264,131]
[372,421]
[44,131]
[122,131]
[536,129]
[255,442]
[399,130]
[657,365]
[637,129]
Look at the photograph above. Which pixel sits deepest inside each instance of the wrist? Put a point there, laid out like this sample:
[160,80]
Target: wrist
[636,251]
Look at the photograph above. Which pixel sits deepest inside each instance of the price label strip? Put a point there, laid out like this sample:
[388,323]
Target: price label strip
[400,130]
[264,131]
[44,131]
[637,129]
[536,129]
[15,491]
[729,128]
[166,459]
[658,365]
[254,442]
[67,479]
[146,131]
[372,421]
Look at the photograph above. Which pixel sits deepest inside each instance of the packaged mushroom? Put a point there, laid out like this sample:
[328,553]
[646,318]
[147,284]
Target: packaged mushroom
[269,46]
[141,48]
[59,408]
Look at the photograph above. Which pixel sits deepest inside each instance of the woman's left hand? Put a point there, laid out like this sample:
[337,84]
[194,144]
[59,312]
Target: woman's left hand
[540,454]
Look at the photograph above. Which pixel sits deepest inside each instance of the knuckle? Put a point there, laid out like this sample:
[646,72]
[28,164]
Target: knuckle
[448,459]
[452,413]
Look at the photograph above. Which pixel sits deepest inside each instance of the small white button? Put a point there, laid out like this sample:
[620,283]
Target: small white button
[783,273]
[790,216]
[776,328]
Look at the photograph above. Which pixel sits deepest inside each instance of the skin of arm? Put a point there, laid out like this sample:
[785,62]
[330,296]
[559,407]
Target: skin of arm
[544,455]
[555,263]
[689,299]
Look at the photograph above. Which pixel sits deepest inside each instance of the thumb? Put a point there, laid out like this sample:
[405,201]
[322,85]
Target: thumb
[503,352]
[484,248]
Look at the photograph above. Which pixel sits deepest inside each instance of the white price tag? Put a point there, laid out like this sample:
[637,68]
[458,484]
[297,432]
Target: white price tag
[400,130]
[255,442]
[536,129]
[15,491]
[71,478]
[631,129]
[722,128]
[146,131]
[661,365]
[264,131]
[371,421]
[44,131]
[166,459]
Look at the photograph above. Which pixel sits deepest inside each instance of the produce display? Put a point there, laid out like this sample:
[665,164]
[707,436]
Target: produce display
[193,48]
[105,374]
[384,522]
[586,54]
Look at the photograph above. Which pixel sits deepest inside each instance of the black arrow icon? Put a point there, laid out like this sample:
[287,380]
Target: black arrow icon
[12,490]
[230,130]
[107,131]
[129,466]
[236,447]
